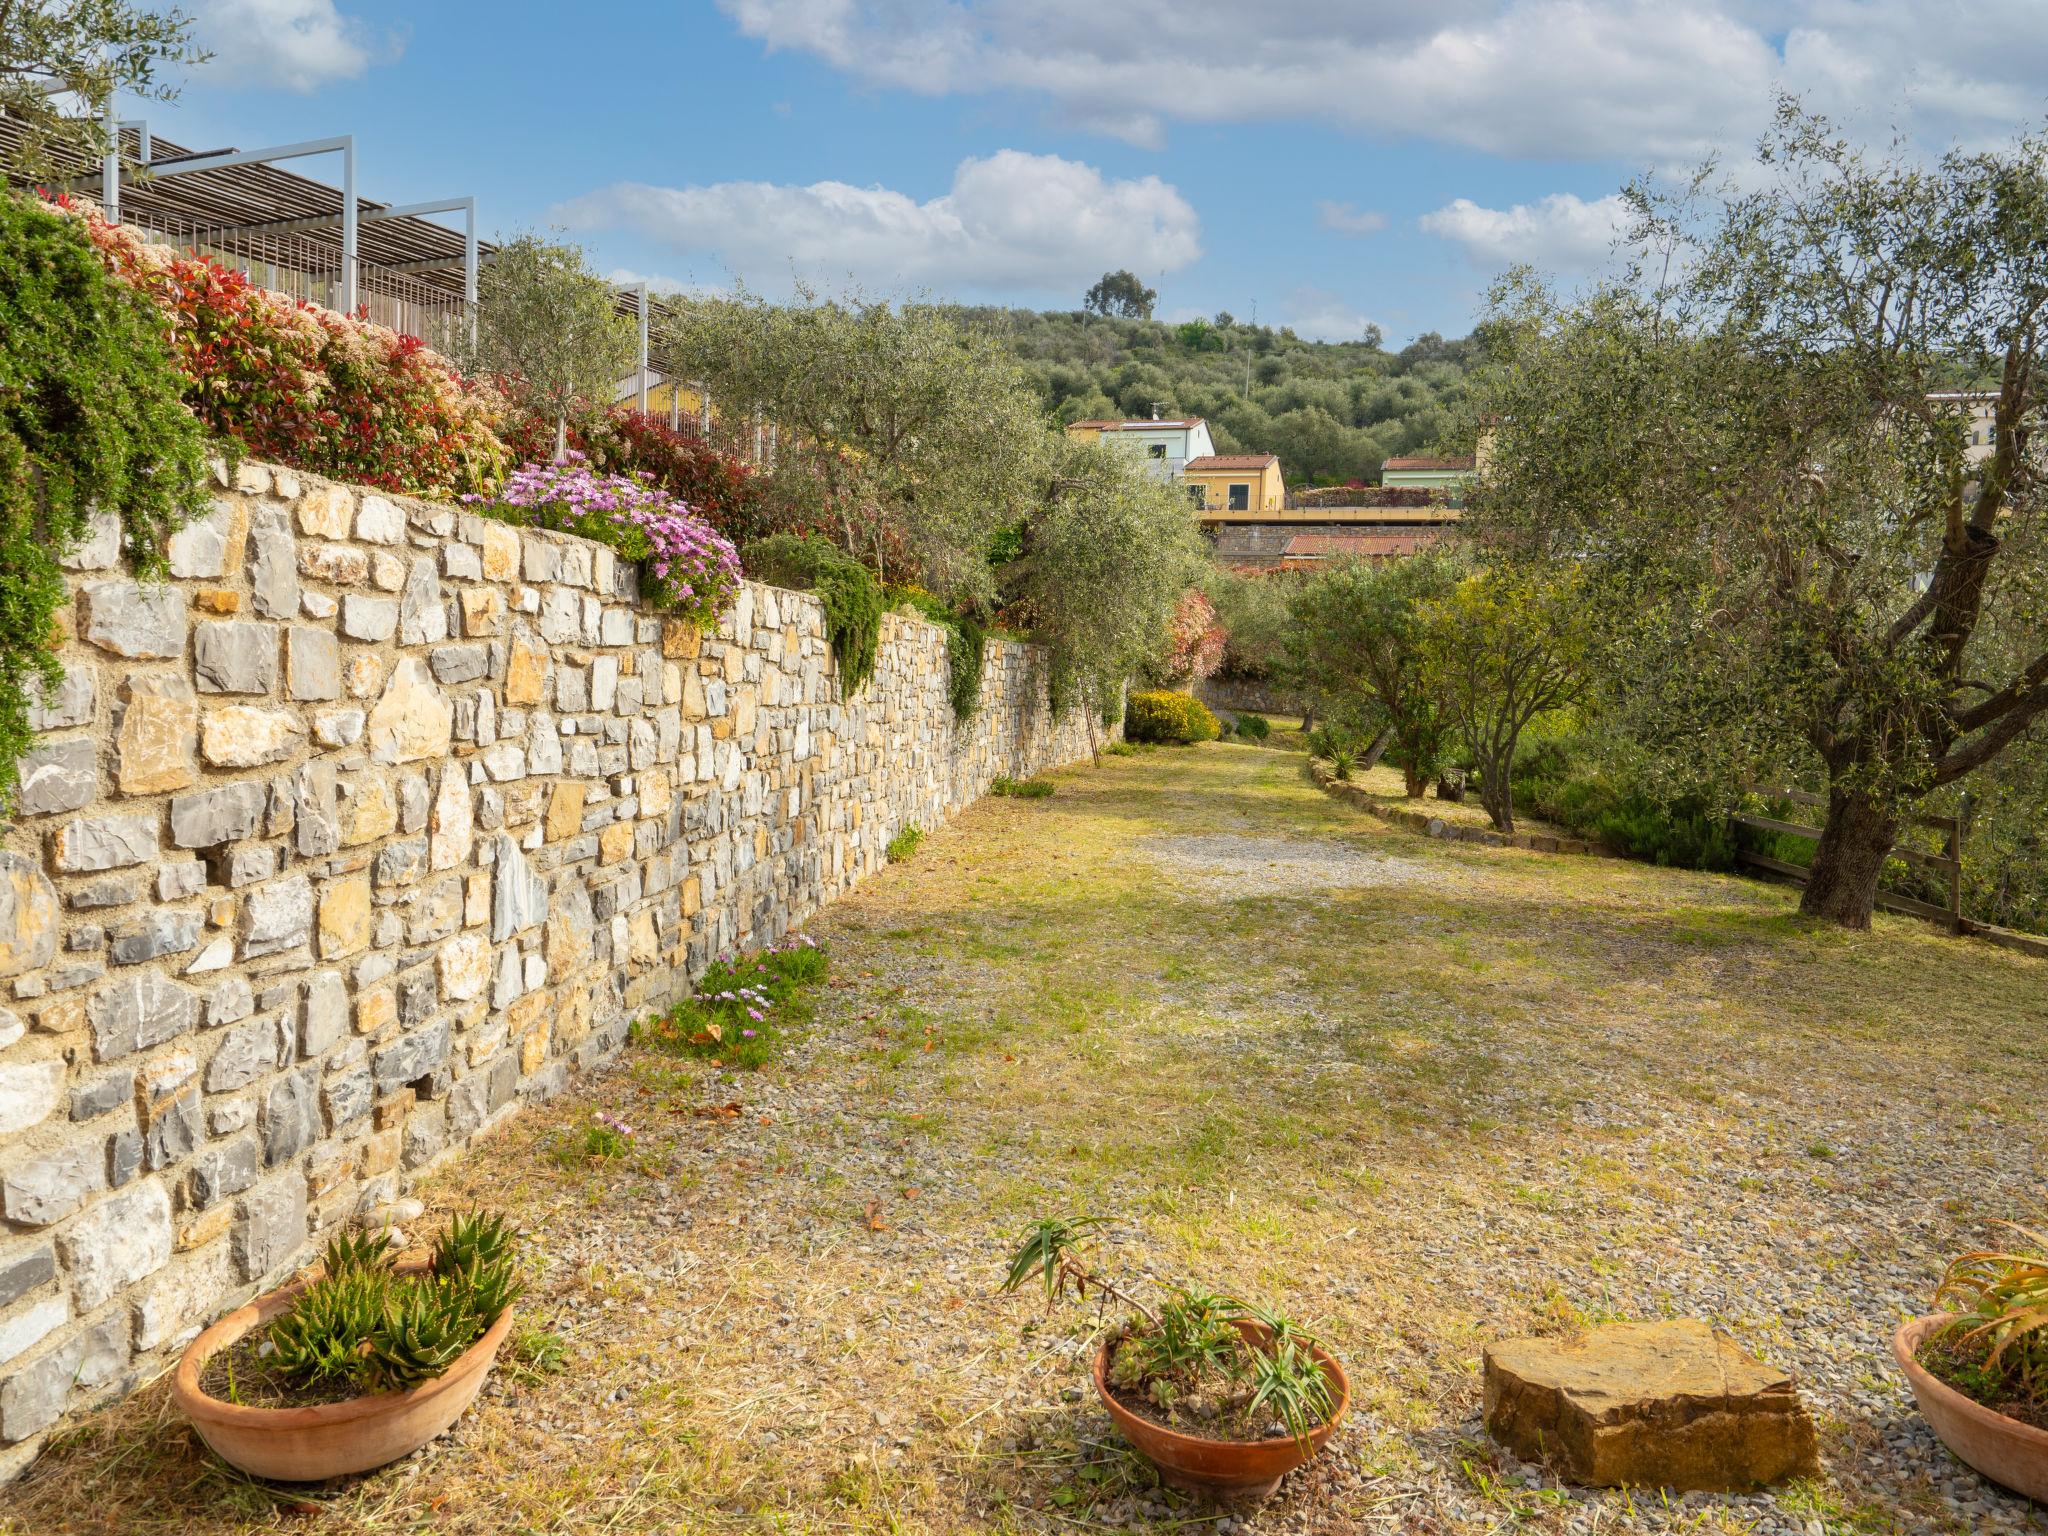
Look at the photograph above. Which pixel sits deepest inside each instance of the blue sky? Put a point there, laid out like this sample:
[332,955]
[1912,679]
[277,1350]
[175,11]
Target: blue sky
[1325,162]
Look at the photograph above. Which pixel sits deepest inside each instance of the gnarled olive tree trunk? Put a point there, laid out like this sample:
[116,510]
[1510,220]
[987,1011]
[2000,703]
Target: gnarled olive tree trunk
[1849,861]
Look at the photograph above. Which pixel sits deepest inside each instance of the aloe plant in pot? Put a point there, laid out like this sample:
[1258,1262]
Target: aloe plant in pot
[1224,1397]
[1979,1369]
[359,1365]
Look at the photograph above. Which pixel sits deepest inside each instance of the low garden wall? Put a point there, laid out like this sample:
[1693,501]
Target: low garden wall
[375,821]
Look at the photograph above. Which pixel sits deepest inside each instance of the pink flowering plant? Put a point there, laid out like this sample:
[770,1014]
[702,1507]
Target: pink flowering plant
[691,568]
[741,1003]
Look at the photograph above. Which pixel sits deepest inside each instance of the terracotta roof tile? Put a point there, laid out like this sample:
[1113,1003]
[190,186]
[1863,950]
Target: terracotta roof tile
[1426,463]
[1230,461]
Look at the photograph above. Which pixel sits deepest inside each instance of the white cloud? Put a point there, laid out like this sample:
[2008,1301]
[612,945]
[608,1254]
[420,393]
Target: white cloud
[1011,222]
[1348,220]
[1630,79]
[1319,315]
[299,44]
[1561,233]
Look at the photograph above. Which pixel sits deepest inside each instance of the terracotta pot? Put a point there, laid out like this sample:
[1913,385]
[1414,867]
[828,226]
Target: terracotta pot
[309,1445]
[2003,1449]
[1237,1472]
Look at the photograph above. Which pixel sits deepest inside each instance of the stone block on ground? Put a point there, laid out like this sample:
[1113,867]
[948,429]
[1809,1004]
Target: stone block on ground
[1663,1404]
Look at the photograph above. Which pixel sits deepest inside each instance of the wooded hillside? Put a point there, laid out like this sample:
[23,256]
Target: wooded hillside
[1332,411]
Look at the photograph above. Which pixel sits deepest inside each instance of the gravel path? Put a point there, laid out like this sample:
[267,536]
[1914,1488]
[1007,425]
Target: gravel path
[1421,1095]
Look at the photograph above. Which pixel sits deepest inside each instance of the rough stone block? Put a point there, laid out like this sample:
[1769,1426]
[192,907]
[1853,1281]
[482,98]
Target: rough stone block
[154,934]
[104,842]
[247,1052]
[28,916]
[57,776]
[220,1171]
[200,548]
[30,1091]
[413,720]
[39,1188]
[1664,1404]
[249,735]
[235,657]
[21,1272]
[371,619]
[274,573]
[118,1242]
[272,1226]
[214,817]
[291,1115]
[130,619]
[277,917]
[156,726]
[379,521]
[137,1012]
[312,663]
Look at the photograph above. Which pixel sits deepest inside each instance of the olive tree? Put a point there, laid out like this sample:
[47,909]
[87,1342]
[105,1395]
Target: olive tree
[1757,442]
[1103,560]
[551,329]
[1355,651]
[897,426]
[1500,647]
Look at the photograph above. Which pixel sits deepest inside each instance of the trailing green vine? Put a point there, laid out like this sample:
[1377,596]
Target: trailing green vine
[90,420]
[849,591]
[966,645]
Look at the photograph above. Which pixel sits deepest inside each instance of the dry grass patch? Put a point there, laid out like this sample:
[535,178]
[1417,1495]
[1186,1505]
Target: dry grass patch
[1501,1092]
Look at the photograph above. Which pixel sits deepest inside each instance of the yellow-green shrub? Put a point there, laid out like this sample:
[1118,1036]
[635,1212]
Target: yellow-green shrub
[1157,715]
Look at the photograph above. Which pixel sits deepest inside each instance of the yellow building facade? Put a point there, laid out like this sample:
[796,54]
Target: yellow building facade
[1225,484]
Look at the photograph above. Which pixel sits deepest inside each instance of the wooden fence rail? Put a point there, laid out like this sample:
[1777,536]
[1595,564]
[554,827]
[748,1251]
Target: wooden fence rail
[1949,862]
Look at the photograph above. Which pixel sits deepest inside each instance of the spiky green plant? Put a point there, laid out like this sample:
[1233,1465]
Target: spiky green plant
[474,1236]
[1046,1253]
[1289,1382]
[321,1340]
[357,1251]
[424,1331]
[1195,1332]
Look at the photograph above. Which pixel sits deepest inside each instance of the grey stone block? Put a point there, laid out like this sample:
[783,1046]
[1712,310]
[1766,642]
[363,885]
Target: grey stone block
[130,619]
[69,704]
[369,618]
[422,616]
[93,843]
[454,664]
[125,1154]
[274,573]
[136,1012]
[235,657]
[40,1188]
[312,664]
[277,916]
[57,776]
[24,1272]
[216,816]
[155,933]
[247,1052]
[221,1171]
[291,1115]
[101,1097]
[324,1018]
[121,1240]
[272,1226]
[347,1099]
[411,1057]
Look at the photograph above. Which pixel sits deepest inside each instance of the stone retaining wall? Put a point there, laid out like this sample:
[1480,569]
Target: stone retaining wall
[375,821]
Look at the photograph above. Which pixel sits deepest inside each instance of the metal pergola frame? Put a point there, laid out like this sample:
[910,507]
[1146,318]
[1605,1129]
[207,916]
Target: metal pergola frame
[233,200]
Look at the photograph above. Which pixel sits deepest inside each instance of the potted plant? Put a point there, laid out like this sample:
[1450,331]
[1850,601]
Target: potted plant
[1979,1369]
[360,1365]
[1223,1397]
